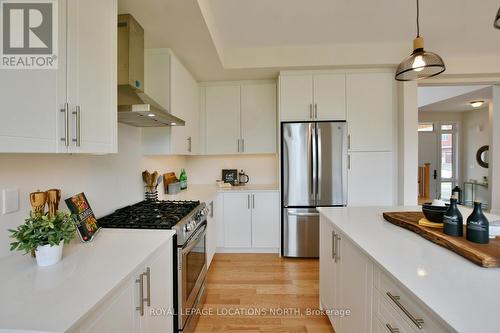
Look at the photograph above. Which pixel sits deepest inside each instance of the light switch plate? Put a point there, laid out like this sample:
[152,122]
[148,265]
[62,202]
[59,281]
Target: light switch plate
[10,200]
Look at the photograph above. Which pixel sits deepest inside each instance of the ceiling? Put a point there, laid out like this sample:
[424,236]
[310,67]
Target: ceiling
[461,102]
[247,39]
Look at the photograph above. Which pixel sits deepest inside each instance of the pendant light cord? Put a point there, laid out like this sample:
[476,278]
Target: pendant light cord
[418,24]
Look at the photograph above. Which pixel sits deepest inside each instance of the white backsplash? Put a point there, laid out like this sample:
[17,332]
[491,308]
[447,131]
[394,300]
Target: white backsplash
[111,181]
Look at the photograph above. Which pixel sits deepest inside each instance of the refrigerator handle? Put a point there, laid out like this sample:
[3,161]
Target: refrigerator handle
[319,170]
[314,162]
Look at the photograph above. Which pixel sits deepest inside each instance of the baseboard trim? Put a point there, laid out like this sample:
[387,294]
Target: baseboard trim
[246,250]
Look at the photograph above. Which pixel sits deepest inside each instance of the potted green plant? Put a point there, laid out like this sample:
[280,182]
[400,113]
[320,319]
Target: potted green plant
[44,236]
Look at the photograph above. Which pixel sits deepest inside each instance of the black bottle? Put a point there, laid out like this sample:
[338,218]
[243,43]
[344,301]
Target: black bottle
[453,220]
[478,226]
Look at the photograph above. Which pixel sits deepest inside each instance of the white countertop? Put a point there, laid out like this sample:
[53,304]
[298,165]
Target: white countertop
[464,295]
[52,299]
[207,193]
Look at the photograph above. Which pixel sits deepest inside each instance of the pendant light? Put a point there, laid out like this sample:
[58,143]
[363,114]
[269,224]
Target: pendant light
[420,64]
[496,24]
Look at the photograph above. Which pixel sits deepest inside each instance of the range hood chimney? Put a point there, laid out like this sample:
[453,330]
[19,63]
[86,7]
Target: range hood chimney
[134,106]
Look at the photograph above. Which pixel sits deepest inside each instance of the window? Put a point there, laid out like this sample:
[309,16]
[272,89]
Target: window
[426,127]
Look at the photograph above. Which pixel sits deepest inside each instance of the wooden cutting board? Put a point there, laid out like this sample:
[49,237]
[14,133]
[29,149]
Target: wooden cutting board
[485,255]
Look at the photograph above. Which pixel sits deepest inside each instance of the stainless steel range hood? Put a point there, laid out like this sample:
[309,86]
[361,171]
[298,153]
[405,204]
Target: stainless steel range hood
[134,106]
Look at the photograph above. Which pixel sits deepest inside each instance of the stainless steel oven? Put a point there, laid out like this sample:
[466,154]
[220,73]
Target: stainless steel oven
[191,277]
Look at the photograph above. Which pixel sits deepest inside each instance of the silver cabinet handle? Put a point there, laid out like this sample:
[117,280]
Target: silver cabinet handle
[316,111]
[392,329]
[337,247]
[310,111]
[334,237]
[78,137]
[148,286]
[348,162]
[238,145]
[302,214]
[248,201]
[189,144]
[65,139]
[253,201]
[140,281]
[349,141]
[417,321]
[242,145]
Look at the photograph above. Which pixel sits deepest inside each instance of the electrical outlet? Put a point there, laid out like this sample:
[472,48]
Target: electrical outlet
[10,202]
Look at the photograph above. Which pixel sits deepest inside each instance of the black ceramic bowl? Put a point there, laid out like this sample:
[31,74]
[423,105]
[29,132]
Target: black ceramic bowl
[434,213]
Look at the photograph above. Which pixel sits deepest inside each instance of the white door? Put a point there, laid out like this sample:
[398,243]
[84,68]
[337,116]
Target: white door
[185,105]
[258,118]
[92,75]
[356,281]
[329,97]
[296,99]
[265,220]
[370,179]
[237,220]
[370,114]
[222,110]
[428,153]
[160,292]
[30,119]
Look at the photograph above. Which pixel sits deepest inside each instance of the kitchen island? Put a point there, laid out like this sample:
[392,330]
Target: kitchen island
[93,288]
[391,278]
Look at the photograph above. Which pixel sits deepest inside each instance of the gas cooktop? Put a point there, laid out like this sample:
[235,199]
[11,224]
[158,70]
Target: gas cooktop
[149,215]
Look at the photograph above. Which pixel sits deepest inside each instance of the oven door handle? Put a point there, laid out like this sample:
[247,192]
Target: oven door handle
[194,240]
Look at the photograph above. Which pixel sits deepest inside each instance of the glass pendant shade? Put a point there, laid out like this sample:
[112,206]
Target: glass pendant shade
[420,64]
[497,20]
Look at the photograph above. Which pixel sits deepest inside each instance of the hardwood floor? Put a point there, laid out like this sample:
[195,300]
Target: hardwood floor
[284,291]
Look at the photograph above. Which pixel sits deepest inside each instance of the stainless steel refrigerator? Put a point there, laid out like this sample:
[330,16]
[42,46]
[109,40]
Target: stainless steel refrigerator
[314,174]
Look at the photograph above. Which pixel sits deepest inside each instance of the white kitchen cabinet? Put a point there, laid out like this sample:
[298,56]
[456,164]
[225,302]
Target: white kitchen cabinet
[251,220]
[92,75]
[371,179]
[169,83]
[222,114]
[237,220]
[239,117]
[258,118]
[120,312]
[265,220]
[306,97]
[211,232]
[346,281]
[85,81]
[370,111]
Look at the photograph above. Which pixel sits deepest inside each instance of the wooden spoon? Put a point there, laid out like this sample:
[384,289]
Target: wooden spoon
[53,198]
[38,200]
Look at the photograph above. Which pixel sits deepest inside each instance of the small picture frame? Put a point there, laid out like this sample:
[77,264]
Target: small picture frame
[230,176]
[87,223]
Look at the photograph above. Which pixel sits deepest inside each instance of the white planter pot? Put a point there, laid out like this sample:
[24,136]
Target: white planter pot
[49,255]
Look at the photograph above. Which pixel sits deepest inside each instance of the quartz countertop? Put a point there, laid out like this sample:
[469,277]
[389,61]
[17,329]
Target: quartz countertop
[207,193]
[54,298]
[464,295]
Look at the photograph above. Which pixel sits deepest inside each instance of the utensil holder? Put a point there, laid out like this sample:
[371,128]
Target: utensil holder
[151,194]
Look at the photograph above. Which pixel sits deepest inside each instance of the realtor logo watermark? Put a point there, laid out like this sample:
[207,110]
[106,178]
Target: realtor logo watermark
[28,34]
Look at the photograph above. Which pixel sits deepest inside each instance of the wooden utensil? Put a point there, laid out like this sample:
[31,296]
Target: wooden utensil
[146,176]
[154,180]
[53,198]
[38,201]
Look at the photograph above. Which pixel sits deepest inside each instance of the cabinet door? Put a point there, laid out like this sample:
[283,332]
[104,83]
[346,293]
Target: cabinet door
[211,232]
[296,97]
[185,105]
[92,75]
[370,111]
[356,281]
[222,108]
[160,292]
[329,97]
[327,279]
[265,220]
[258,118]
[30,119]
[237,220]
[370,179]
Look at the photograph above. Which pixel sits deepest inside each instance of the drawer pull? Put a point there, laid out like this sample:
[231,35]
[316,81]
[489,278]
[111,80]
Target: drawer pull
[417,321]
[392,329]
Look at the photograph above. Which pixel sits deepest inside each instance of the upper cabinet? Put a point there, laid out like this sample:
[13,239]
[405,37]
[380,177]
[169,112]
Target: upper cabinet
[307,97]
[370,111]
[239,117]
[169,83]
[71,109]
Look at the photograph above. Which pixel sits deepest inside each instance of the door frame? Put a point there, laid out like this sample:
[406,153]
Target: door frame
[455,178]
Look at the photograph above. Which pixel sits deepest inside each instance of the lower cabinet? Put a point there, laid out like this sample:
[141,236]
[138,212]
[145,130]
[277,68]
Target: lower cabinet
[251,220]
[123,311]
[211,232]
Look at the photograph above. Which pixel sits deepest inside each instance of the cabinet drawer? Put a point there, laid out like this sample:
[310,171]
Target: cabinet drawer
[406,305]
[386,318]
